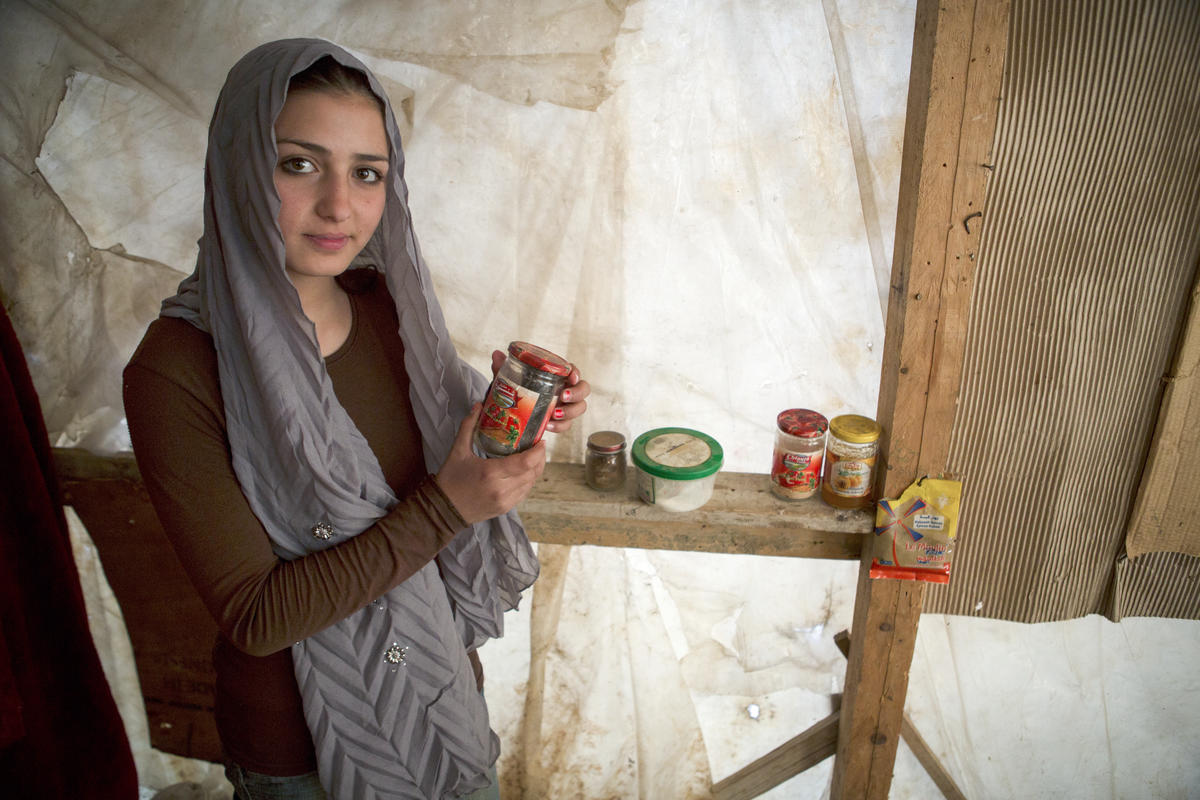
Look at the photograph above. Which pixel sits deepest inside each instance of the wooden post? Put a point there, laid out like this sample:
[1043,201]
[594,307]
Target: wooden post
[953,99]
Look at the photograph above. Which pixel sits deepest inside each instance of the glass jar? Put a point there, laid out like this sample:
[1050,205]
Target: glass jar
[521,400]
[799,446]
[850,455]
[604,462]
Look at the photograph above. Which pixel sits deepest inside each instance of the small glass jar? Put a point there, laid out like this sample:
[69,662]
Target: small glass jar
[850,455]
[604,462]
[521,400]
[799,446]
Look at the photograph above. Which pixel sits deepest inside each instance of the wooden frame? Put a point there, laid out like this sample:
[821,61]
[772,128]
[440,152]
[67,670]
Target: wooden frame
[953,101]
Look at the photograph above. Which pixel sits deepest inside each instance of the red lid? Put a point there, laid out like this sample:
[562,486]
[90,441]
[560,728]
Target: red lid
[539,358]
[802,422]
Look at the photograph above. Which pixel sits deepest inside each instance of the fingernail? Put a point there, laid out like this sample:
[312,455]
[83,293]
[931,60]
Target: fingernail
[558,413]
[566,395]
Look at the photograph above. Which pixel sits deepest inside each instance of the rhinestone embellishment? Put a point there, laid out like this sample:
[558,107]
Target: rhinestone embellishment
[395,654]
[323,530]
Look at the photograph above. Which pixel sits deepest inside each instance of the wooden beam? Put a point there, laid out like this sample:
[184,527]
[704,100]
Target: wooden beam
[743,516]
[915,741]
[788,760]
[954,88]
[170,630]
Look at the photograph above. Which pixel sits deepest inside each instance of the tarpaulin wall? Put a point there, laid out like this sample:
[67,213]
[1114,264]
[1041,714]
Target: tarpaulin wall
[695,202]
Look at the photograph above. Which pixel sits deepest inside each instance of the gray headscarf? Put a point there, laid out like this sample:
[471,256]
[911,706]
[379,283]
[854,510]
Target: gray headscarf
[389,693]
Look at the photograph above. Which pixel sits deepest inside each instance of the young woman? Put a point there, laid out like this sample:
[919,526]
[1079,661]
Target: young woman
[303,426]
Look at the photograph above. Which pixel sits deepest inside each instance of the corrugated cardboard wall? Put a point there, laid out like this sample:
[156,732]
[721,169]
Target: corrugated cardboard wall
[1166,517]
[1089,252]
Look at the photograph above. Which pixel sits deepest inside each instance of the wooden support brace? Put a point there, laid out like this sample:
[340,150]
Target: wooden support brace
[788,760]
[954,88]
[915,741]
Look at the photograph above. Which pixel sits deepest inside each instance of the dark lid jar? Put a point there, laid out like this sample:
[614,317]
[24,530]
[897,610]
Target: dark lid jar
[604,461]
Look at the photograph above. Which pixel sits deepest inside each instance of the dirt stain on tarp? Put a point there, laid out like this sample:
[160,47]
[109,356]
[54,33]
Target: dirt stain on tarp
[527,55]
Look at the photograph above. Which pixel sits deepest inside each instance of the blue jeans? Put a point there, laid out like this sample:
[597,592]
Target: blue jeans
[249,785]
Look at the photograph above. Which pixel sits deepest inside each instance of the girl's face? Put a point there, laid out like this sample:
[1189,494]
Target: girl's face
[333,159]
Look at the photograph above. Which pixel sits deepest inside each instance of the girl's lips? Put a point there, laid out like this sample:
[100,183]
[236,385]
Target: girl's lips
[330,242]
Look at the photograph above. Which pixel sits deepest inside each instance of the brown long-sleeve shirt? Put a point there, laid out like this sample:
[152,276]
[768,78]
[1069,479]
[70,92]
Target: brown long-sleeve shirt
[262,604]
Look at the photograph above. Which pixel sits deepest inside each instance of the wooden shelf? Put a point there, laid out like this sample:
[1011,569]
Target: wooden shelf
[743,516]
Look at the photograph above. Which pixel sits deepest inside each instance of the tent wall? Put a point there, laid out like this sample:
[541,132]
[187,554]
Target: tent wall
[1089,254]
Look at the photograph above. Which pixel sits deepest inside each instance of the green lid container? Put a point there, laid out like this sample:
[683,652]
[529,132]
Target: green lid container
[677,454]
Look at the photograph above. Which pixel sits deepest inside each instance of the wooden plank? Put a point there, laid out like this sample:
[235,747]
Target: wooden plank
[929,760]
[789,759]
[743,516]
[915,741]
[74,463]
[954,86]
[170,630]
[977,125]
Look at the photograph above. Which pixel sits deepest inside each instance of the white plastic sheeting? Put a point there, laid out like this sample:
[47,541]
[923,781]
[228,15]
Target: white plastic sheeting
[693,201]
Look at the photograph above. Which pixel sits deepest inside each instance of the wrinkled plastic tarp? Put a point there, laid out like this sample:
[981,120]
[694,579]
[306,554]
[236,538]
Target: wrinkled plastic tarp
[694,202]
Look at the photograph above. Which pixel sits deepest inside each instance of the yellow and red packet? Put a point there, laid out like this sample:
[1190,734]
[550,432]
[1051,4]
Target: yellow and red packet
[914,533]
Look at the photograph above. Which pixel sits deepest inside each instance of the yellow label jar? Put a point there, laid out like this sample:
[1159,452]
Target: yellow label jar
[850,456]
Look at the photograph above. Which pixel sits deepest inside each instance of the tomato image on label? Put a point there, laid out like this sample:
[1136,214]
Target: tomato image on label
[507,413]
[799,471]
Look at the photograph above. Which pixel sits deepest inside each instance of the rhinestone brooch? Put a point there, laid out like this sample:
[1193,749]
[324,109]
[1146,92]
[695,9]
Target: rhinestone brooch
[395,654]
[323,530]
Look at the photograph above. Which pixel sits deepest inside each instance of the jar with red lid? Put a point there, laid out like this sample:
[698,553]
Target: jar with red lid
[799,448]
[521,400]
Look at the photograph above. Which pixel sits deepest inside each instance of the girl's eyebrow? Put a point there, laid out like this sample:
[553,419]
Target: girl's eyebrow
[324,151]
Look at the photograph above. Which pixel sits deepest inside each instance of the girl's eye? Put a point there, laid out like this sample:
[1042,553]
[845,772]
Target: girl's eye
[368,174]
[297,165]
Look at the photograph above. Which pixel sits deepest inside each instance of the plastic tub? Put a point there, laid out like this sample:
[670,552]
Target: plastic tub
[676,467]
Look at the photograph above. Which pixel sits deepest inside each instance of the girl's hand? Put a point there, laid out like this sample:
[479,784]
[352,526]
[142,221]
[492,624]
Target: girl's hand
[482,488]
[572,400]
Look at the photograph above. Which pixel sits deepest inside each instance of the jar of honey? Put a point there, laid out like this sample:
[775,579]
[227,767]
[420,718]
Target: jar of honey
[850,457]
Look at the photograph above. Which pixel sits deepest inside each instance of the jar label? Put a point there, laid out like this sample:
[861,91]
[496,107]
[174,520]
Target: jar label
[507,412]
[796,473]
[850,477]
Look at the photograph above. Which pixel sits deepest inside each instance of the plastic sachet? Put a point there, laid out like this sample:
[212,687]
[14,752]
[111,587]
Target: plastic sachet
[914,533]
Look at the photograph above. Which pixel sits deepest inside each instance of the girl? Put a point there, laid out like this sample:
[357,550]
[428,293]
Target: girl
[295,413]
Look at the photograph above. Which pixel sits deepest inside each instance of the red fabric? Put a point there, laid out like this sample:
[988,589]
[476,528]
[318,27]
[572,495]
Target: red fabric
[60,733]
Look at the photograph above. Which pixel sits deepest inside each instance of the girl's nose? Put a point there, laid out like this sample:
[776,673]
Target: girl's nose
[334,200]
